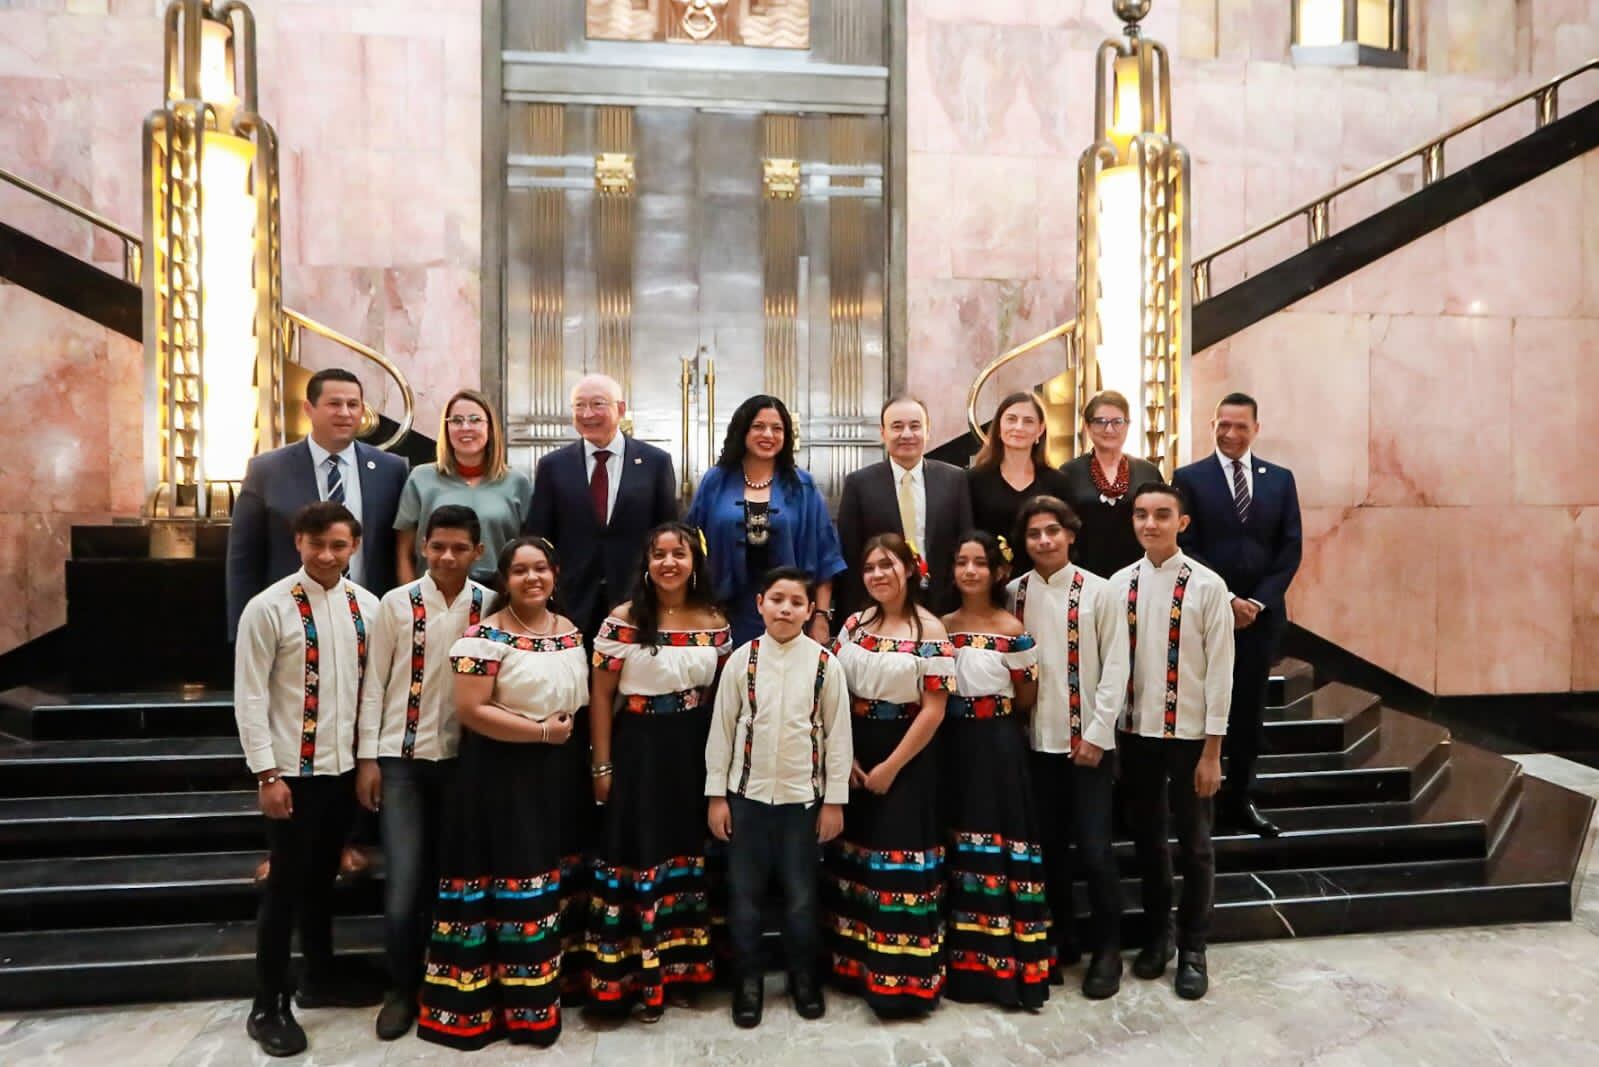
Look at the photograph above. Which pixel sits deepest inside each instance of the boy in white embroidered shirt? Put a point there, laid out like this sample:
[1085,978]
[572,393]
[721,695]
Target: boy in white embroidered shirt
[1180,638]
[407,739]
[777,774]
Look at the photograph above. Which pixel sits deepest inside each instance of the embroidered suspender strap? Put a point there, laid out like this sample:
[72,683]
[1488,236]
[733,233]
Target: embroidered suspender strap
[1074,688]
[1174,634]
[1021,597]
[816,724]
[413,698]
[749,732]
[313,674]
[1173,641]
[475,615]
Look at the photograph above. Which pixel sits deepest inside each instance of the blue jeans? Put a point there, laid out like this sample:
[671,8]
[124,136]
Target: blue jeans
[414,796]
[768,838]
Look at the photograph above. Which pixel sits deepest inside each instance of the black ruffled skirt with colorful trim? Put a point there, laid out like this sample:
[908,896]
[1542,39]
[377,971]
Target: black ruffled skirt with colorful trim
[998,923]
[649,923]
[494,963]
[884,880]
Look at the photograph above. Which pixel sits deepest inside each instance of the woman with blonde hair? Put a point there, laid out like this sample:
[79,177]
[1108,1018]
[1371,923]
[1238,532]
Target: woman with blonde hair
[470,471]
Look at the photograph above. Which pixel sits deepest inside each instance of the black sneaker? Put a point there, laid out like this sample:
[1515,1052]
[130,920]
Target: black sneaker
[747,997]
[272,1026]
[1152,959]
[806,995]
[396,1016]
[1103,979]
[1193,978]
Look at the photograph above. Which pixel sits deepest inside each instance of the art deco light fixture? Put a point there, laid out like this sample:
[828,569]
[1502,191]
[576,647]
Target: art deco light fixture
[1133,300]
[212,285]
[1349,33]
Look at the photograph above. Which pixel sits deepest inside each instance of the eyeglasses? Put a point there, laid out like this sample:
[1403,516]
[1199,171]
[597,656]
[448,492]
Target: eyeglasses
[1108,424]
[598,407]
[460,422]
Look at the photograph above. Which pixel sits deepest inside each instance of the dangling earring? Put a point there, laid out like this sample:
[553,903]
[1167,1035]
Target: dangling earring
[693,581]
[647,579]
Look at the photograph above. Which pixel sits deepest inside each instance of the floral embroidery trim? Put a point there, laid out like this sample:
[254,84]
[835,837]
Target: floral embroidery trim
[994,642]
[1174,635]
[613,629]
[419,637]
[313,677]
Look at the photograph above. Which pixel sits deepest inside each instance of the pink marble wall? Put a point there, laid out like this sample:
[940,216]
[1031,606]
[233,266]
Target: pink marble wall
[377,105]
[1431,405]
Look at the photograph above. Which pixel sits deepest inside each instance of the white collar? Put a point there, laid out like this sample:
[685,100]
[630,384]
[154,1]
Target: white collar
[319,455]
[784,648]
[1176,561]
[311,585]
[917,473]
[614,447]
[1059,578]
[1247,459]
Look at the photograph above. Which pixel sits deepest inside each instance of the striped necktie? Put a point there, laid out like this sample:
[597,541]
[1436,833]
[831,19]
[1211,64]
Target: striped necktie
[1240,491]
[335,480]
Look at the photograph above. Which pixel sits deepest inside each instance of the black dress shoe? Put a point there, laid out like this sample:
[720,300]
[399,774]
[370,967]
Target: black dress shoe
[747,997]
[396,1016]
[1104,976]
[339,992]
[1247,817]
[806,995]
[1150,963]
[271,1026]
[1192,980]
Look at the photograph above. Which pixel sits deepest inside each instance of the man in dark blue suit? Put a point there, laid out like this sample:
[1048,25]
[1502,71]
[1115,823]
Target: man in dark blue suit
[596,499]
[329,465]
[1245,527]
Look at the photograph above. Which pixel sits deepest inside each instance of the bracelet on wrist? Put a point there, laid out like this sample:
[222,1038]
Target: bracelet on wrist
[601,770]
[268,780]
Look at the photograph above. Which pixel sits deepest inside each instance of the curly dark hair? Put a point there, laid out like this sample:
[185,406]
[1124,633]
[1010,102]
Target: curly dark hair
[646,605]
[734,445]
[503,568]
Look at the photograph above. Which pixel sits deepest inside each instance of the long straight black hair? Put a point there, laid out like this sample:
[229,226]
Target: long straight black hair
[646,610]
[900,549]
[735,445]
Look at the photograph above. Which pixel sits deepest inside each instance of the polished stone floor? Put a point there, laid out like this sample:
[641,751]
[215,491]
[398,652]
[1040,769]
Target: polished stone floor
[1494,995]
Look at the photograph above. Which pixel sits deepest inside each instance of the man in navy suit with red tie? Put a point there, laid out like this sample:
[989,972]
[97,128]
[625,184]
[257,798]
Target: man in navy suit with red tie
[1245,527]
[596,499]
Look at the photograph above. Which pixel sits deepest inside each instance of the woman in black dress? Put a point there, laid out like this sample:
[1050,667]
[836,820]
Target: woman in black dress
[1012,466]
[1099,486]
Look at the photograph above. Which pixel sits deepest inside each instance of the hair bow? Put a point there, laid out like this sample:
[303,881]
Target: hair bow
[704,548]
[1004,549]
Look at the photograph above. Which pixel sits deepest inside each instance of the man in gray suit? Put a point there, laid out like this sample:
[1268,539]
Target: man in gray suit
[329,465]
[923,500]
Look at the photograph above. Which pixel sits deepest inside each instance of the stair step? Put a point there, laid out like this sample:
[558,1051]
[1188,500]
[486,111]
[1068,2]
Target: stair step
[69,968]
[144,764]
[1290,679]
[1330,719]
[67,892]
[39,715]
[1395,763]
[130,823]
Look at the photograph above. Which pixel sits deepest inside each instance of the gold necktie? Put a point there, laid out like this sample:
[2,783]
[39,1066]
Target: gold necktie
[907,509]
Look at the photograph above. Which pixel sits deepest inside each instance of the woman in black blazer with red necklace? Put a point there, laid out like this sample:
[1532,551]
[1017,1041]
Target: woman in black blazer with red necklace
[1099,488]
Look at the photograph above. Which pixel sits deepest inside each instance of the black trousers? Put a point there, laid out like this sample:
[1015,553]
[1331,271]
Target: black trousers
[412,817]
[1254,651]
[1158,785]
[1074,805]
[299,890]
[771,838]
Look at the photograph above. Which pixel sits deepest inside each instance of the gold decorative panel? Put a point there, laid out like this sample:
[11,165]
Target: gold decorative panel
[754,23]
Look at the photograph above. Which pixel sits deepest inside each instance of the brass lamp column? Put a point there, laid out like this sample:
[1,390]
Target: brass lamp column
[213,291]
[1133,301]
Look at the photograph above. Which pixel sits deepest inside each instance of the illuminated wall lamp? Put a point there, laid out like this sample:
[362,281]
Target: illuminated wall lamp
[212,287]
[1132,244]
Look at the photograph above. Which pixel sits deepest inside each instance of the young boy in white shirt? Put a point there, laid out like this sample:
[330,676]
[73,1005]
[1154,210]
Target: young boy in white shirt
[1180,638]
[777,774]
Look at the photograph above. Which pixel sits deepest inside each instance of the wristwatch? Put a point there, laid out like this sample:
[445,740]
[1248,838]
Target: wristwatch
[268,780]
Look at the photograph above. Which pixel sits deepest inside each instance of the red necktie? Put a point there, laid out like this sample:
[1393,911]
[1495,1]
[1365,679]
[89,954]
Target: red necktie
[600,485]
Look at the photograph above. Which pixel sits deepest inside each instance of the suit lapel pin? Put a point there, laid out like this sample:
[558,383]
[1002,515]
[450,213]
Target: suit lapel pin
[1260,470]
[371,465]
[637,460]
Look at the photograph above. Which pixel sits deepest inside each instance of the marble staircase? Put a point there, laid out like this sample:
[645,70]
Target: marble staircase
[129,839]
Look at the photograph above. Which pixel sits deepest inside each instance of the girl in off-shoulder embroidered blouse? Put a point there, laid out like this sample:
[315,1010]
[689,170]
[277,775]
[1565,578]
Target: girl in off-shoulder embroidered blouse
[998,919]
[883,879]
[509,851]
[656,660]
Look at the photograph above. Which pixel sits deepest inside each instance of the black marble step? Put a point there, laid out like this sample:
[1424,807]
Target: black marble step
[116,765]
[39,715]
[1395,763]
[69,892]
[1330,719]
[130,823]
[1290,680]
[69,968]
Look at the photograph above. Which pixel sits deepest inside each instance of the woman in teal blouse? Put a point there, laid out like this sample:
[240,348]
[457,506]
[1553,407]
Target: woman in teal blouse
[471,471]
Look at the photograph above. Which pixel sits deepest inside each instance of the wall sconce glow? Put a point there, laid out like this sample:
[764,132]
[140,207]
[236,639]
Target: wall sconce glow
[1133,301]
[212,287]
[1350,32]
